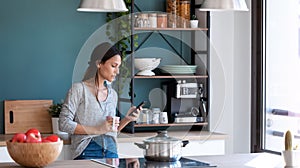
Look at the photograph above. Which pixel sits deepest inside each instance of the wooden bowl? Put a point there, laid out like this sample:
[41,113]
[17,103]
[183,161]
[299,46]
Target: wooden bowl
[34,154]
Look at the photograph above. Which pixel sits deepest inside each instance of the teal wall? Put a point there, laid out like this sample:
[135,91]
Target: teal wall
[39,43]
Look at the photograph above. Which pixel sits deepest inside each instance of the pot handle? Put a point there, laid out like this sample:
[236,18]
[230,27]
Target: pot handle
[184,143]
[142,146]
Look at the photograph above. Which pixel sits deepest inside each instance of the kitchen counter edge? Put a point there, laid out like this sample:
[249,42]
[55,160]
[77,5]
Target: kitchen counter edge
[140,136]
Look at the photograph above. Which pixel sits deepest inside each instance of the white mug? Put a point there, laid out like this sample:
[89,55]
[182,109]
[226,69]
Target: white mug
[114,119]
[163,117]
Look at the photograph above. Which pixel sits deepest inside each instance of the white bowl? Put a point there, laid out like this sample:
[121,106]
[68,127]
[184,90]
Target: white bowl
[146,65]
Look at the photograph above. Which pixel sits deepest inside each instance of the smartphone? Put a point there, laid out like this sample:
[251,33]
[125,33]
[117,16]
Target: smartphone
[141,104]
[138,106]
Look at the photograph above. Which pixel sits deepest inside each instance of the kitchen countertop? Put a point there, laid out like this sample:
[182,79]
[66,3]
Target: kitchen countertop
[263,160]
[140,136]
[184,135]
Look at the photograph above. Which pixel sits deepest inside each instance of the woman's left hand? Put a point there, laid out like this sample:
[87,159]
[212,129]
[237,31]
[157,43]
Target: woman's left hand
[132,163]
[133,113]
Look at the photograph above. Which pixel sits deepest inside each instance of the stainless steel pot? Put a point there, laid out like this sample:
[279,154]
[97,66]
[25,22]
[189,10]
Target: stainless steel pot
[162,148]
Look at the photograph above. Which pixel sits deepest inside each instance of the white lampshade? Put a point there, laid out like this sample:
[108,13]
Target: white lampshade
[224,5]
[102,6]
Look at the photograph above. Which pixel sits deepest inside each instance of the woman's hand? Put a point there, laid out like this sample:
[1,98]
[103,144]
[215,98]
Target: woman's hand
[133,113]
[132,163]
[105,127]
[112,123]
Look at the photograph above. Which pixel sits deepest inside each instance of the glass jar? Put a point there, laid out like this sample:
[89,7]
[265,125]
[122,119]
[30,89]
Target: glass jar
[155,115]
[145,116]
[173,21]
[143,20]
[136,17]
[185,9]
[162,20]
[153,20]
[184,13]
[173,7]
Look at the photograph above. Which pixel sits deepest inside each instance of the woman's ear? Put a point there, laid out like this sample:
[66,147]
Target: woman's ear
[98,64]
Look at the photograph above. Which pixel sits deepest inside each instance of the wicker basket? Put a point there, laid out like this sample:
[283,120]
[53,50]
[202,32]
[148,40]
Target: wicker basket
[34,154]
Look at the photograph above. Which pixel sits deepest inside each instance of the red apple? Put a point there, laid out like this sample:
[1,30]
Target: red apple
[33,136]
[45,140]
[53,138]
[19,137]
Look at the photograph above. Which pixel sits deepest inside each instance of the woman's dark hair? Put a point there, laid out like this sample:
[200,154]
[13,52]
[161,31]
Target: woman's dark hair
[102,53]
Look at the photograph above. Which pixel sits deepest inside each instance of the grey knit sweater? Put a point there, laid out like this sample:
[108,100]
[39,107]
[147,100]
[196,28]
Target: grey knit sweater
[81,107]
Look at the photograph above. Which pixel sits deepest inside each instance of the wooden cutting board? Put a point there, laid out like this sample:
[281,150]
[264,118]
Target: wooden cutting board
[21,115]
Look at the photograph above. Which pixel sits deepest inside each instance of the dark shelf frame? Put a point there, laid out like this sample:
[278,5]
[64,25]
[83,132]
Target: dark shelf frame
[131,126]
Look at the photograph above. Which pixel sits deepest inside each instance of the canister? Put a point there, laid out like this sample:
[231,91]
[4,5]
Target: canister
[163,117]
[145,116]
[143,20]
[155,115]
[184,13]
[173,7]
[153,20]
[185,9]
[162,20]
[173,20]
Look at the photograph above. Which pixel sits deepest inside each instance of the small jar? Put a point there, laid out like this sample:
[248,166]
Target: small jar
[155,115]
[163,117]
[185,13]
[143,20]
[172,20]
[146,116]
[153,20]
[162,20]
[136,17]
[185,9]
[173,7]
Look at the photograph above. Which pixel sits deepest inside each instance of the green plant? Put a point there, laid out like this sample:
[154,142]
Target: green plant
[194,17]
[55,109]
[119,32]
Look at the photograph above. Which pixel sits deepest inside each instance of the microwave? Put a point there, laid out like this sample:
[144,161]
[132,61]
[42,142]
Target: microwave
[186,90]
[181,97]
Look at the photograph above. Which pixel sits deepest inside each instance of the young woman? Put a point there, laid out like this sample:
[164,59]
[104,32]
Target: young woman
[88,103]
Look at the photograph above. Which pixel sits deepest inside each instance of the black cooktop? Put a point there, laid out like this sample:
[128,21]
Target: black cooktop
[133,162]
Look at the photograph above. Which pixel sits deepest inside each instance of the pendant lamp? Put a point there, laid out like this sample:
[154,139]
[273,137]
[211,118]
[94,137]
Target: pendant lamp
[102,6]
[224,5]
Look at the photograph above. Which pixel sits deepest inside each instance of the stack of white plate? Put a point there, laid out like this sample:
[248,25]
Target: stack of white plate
[179,69]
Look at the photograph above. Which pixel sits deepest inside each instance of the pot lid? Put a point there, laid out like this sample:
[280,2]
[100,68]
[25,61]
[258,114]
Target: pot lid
[161,137]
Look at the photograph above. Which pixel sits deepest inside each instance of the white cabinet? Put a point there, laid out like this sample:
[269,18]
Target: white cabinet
[193,148]
[209,147]
[65,153]
[4,156]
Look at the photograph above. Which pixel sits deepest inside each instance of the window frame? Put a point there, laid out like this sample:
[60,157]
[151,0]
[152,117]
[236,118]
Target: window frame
[257,77]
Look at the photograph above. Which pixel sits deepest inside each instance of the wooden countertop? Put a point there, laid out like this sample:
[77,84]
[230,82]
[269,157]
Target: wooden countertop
[139,137]
[222,161]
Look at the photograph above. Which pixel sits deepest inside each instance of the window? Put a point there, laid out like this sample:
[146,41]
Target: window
[276,64]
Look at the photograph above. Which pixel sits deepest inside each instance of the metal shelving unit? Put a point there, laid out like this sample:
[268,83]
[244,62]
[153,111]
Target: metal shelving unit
[199,77]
